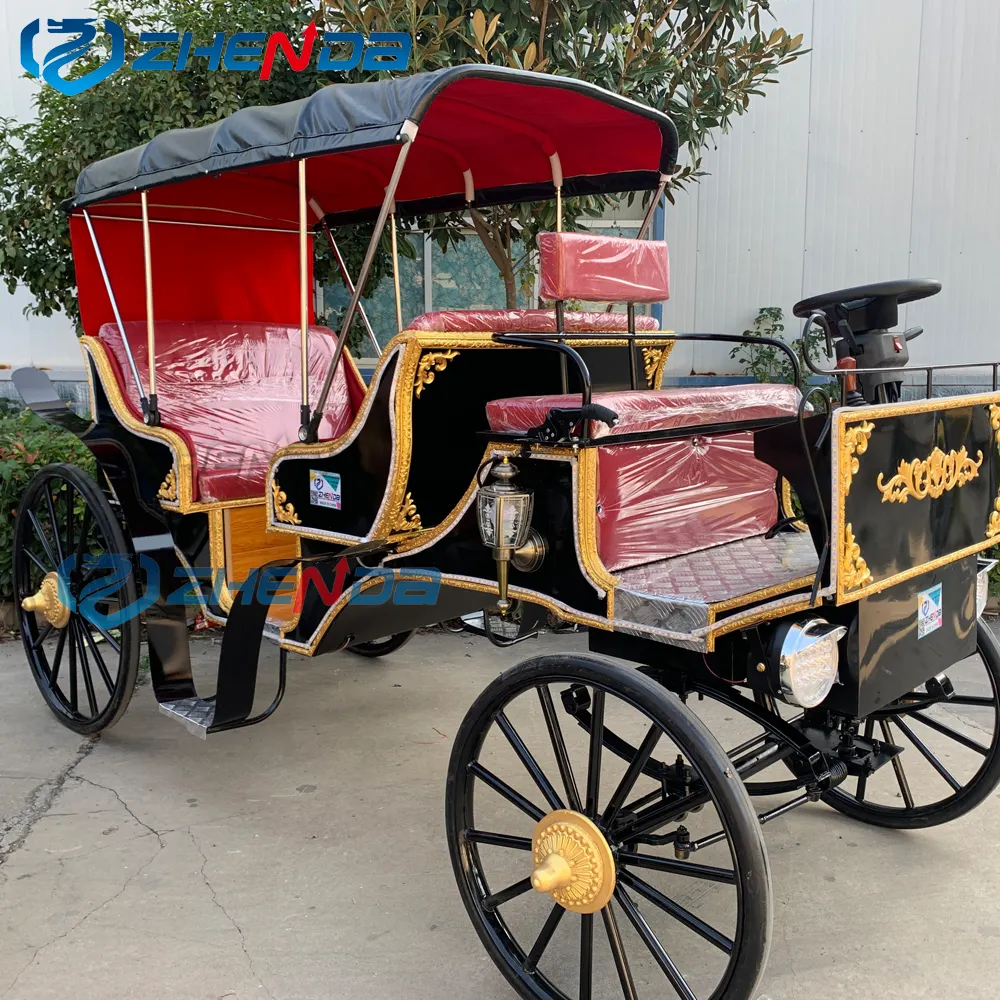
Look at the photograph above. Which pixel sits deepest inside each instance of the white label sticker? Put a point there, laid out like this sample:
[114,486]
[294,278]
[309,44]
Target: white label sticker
[928,611]
[324,489]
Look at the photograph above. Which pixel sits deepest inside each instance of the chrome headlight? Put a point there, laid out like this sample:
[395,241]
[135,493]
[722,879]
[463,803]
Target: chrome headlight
[808,660]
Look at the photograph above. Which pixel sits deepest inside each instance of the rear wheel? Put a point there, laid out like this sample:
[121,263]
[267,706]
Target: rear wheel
[950,759]
[68,543]
[383,645]
[534,877]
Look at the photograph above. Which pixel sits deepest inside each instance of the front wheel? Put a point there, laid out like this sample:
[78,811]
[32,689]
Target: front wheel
[383,645]
[68,543]
[546,832]
[950,759]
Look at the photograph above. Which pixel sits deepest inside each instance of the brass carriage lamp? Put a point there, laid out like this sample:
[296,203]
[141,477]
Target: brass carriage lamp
[504,513]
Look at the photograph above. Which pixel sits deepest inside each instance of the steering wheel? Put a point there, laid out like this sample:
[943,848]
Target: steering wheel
[904,290]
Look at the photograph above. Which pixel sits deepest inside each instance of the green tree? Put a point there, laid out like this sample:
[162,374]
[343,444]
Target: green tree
[700,60]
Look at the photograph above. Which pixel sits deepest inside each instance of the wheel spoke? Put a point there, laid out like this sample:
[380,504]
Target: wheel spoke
[70,497]
[42,636]
[663,960]
[72,676]
[88,680]
[543,939]
[529,762]
[897,766]
[678,912]
[594,757]
[655,863]
[38,562]
[618,953]
[107,636]
[102,667]
[505,895]
[559,746]
[42,539]
[947,731]
[969,699]
[502,788]
[586,955]
[631,774]
[926,754]
[54,521]
[81,543]
[498,839]
[863,778]
[57,658]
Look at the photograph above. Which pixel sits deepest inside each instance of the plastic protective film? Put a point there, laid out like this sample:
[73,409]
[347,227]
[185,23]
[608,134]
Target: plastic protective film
[602,268]
[527,321]
[232,391]
[663,499]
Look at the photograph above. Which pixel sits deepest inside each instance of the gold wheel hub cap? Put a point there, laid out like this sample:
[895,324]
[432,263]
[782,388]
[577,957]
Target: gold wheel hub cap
[46,602]
[573,862]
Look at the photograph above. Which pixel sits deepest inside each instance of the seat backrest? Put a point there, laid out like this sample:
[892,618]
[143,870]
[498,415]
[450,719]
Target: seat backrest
[602,268]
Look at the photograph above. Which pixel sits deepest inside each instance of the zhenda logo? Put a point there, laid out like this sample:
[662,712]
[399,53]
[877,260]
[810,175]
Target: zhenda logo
[243,51]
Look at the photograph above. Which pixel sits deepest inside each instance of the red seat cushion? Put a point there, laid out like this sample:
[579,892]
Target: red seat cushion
[663,499]
[232,392]
[526,321]
[599,268]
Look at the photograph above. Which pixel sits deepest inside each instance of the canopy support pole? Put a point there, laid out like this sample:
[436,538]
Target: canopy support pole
[303,295]
[307,432]
[151,413]
[395,274]
[651,208]
[345,274]
[143,401]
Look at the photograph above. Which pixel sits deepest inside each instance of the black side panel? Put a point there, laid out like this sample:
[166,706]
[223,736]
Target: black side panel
[887,657]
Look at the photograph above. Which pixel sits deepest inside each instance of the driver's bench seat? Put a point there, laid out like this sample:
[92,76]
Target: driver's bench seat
[662,499]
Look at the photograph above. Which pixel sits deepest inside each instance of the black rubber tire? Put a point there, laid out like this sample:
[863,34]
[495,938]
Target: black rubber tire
[382,647]
[106,522]
[982,783]
[752,940]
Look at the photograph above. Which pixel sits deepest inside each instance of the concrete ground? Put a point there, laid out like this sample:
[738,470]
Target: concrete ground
[305,858]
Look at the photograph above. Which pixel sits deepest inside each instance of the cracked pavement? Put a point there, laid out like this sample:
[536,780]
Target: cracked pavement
[305,859]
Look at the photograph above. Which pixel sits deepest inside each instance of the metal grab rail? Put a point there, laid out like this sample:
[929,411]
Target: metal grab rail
[842,373]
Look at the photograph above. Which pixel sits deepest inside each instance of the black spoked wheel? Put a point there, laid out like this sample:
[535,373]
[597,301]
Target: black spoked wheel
[575,865]
[83,658]
[383,645]
[949,731]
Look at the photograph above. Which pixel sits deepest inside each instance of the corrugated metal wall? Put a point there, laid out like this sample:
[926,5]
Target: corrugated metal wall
[876,156]
[871,159]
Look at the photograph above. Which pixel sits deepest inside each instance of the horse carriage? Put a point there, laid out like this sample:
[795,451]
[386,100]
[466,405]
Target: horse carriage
[810,571]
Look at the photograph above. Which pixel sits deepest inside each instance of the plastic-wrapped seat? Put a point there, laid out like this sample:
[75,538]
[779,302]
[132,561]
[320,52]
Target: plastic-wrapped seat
[526,321]
[231,391]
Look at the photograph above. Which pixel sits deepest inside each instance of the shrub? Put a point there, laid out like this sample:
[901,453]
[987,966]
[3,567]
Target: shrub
[26,444]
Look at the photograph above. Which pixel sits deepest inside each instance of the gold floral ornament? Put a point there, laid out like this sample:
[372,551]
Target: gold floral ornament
[651,357]
[995,420]
[284,511]
[929,477]
[407,519]
[993,525]
[168,488]
[855,572]
[855,443]
[430,363]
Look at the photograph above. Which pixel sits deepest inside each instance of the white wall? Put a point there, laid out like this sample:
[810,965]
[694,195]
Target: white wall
[41,341]
[876,156]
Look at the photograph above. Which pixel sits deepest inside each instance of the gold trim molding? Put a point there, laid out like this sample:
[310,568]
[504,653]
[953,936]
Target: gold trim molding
[430,365]
[407,519]
[855,443]
[930,477]
[854,571]
[284,510]
[168,488]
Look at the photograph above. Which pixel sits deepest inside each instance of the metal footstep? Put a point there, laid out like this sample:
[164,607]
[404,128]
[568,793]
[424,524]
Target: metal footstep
[195,714]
